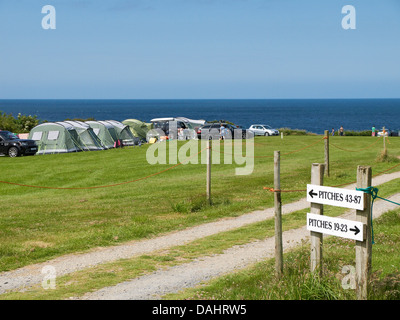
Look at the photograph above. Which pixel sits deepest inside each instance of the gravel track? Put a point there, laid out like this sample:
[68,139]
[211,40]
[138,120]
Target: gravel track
[175,279]
[181,276]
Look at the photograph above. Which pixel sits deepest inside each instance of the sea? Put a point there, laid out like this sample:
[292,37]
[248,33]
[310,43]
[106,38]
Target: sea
[312,115]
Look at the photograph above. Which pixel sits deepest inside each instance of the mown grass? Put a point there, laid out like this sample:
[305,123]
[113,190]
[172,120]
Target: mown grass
[40,224]
[298,283]
[79,283]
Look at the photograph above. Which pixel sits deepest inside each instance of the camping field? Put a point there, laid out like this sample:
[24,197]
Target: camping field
[71,203]
[38,224]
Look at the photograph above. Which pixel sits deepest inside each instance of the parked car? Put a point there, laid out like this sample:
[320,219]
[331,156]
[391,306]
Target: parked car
[212,131]
[12,146]
[161,127]
[263,130]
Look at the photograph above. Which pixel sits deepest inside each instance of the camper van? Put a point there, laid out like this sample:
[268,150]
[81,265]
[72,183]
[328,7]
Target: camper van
[185,128]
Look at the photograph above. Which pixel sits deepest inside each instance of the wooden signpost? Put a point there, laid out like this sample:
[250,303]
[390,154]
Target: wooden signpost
[358,230]
[364,248]
[317,178]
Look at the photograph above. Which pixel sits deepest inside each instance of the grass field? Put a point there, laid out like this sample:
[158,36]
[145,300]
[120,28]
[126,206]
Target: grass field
[39,224]
[257,282]
[298,283]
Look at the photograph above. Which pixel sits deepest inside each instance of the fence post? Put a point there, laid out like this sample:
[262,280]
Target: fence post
[317,178]
[384,141]
[209,158]
[326,153]
[364,248]
[278,215]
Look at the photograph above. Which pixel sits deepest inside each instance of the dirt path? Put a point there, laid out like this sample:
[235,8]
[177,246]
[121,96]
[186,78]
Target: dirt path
[30,275]
[175,279]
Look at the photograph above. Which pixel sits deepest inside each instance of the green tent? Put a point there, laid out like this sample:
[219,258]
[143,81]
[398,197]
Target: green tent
[123,133]
[56,137]
[138,128]
[89,140]
[105,131]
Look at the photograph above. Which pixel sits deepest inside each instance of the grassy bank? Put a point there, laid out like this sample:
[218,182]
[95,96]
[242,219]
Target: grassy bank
[39,224]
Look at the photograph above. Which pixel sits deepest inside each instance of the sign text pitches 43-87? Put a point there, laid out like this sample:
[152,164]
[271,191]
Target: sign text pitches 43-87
[346,198]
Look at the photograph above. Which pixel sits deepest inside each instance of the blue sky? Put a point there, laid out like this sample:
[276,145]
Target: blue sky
[211,49]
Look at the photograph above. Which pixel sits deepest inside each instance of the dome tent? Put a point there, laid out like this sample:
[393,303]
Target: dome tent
[138,128]
[56,137]
[105,131]
[89,140]
[123,133]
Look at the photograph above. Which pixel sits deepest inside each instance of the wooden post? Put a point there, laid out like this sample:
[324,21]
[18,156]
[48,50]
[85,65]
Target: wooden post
[364,248]
[278,215]
[327,153]
[209,159]
[384,143]
[317,178]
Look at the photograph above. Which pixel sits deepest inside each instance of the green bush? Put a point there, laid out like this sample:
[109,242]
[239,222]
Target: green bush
[21,124]
[358,133]
[7,122]
[295,132]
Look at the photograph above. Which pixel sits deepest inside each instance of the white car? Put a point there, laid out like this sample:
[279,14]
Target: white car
[386,134]
[263,130]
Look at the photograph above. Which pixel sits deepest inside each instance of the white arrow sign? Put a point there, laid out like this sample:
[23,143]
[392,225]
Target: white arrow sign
[346,198]
[336,227]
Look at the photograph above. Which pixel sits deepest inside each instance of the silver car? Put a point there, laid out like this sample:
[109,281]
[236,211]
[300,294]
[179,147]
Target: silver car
[263,130]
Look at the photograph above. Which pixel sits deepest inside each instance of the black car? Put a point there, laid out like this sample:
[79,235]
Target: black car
[214,131]
[12,146]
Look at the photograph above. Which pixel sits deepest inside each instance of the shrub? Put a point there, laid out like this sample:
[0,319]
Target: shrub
[7,122]
[295,132]
[26,123]
[358,133]
[21,124]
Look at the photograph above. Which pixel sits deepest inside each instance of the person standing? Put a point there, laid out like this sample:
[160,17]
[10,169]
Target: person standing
[333,132]
[341,131]
[222,132]
[373,131]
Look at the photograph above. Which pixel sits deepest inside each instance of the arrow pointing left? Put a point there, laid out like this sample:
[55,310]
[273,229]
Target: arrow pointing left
[312,193]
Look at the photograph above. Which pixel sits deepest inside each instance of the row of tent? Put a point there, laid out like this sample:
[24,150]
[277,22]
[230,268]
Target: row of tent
[75,136]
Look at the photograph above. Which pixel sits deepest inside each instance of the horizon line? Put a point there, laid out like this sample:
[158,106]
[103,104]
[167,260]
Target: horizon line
[386,98]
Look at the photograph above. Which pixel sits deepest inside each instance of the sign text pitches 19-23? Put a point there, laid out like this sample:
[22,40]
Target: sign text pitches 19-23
[336,226]
[346,198]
